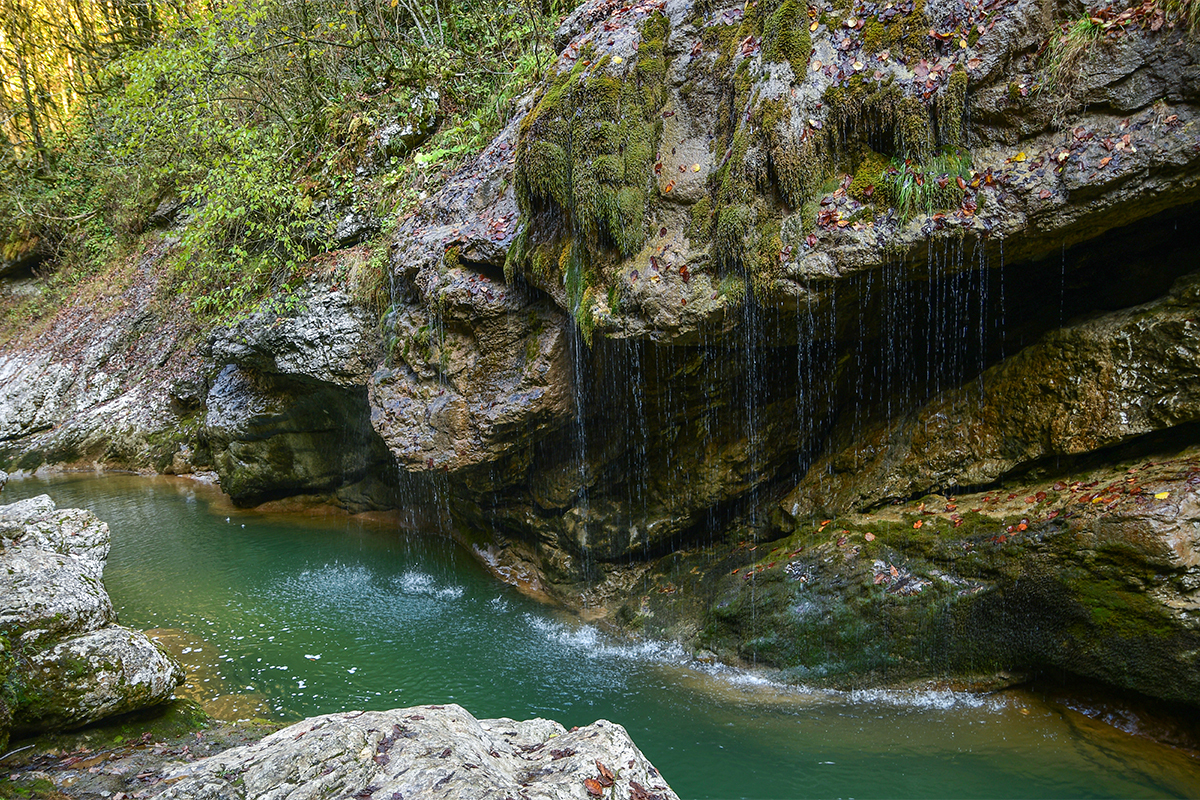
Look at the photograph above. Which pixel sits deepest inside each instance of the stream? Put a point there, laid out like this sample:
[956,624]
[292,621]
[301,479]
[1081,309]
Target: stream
[288,615]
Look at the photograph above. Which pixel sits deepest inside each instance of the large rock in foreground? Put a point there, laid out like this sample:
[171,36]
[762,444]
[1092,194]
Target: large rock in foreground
[63,660]
[427,752]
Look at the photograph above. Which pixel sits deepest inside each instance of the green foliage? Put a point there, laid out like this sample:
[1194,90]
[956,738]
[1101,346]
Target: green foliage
[255,115]
[923,188]
[1068,51]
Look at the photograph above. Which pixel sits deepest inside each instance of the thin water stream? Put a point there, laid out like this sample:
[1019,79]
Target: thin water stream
[290,615]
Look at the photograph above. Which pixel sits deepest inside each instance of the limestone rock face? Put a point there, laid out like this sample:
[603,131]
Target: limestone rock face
[427,752]
[1080,389]
[1097,575]
[488,377]
[93,385]
[329,338]
[63,660]
[287,411]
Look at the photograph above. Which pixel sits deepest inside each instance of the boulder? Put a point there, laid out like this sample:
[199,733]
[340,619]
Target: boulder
[98,674]
[428,752]
[63,660]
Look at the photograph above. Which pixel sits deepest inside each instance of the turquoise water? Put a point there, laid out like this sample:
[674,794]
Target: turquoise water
[294,615]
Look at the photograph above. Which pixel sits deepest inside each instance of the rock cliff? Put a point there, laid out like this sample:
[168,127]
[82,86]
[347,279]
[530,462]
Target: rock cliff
[738,275]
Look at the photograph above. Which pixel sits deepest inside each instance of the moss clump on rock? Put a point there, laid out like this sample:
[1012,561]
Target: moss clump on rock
[785,36]
[587,147]
[584,162]
[862,110]
[952,109]
[870,182]
[907,34]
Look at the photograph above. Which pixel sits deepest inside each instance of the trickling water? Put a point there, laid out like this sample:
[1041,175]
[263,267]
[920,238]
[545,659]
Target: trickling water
[310,615]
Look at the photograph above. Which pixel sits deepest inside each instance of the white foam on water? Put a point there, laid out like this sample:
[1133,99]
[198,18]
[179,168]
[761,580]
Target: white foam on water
[415,582]
[932,699]
[590,642]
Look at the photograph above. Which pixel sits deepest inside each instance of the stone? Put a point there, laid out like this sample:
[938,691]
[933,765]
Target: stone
[427,752]
[64,662]
[109,671]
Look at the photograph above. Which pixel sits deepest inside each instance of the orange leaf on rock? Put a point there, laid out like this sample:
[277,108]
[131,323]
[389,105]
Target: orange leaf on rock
[593,787]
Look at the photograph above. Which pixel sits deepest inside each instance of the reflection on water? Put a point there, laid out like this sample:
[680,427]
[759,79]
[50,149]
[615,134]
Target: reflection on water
[289,616]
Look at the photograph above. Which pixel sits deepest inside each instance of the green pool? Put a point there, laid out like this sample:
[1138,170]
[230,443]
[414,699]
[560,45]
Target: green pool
[294,615]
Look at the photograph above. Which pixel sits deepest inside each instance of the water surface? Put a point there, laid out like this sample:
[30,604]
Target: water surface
[291,615]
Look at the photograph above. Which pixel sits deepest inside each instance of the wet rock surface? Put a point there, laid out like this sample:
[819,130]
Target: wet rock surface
[428,752]
[286,412]
[1092,572]
[64,661]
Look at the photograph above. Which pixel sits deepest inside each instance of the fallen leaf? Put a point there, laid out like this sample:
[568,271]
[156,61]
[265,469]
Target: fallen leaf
[593,787]
[815,24]
[870,537]
[606,776]
[1162,495]
[695,167]
[670,185]
[918,523]
[617,59]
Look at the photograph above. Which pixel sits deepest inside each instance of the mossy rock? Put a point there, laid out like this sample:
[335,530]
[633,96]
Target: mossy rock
[785,36]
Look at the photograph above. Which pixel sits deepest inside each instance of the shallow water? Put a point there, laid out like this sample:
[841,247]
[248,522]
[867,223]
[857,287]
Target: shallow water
[289,616]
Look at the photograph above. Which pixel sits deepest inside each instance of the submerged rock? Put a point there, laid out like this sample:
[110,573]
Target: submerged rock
[63,660]
[426,752]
